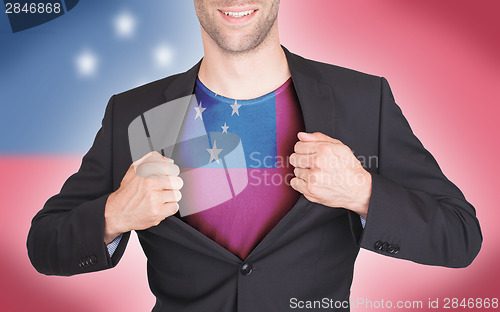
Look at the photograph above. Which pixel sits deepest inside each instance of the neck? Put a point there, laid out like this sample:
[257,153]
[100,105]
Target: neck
[245,75]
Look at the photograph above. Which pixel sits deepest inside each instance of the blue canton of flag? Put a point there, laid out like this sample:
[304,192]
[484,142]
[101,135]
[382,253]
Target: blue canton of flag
[253,121]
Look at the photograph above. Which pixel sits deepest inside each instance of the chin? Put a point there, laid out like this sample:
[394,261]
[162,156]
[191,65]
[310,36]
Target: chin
[239,44]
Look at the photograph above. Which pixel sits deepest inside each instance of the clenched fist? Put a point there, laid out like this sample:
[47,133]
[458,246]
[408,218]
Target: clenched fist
[148,193]
[327,172]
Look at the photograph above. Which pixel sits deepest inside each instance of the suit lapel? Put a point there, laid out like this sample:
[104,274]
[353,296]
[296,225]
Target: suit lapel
[183,84]
[317,106]
[315,98]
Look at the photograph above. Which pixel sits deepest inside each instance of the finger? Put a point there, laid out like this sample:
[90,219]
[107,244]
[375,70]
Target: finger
[302,147]
[172,183]
[172,169]
[171,208]
[311,147]
[171,196]
[311,176]
[316,137]
[302,161]
[164,183]
[152,154]
[129,175]
[157,157]
[169,160]
[301,186]
[157,169]
[301,173]
[133,167]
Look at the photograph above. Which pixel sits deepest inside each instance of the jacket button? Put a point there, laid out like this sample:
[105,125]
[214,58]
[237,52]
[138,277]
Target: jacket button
[93,260]
[396,249]
[378,245]
[390,249]
[83,263]
[384,246]
[246,269]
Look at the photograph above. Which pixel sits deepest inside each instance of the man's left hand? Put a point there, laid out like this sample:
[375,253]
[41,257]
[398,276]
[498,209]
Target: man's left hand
[327,172]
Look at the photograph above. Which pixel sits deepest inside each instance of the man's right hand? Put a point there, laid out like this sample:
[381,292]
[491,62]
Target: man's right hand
[148,193]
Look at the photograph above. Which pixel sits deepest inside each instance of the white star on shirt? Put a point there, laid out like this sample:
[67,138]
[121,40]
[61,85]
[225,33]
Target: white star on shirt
[199,110]
[214,153]
[224,128]
[235,107]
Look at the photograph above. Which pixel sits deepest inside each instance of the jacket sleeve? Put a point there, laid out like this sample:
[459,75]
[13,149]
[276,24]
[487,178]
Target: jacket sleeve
[67,236]
[415,212]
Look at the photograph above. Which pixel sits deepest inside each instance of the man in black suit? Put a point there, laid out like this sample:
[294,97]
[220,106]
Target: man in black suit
[412,211]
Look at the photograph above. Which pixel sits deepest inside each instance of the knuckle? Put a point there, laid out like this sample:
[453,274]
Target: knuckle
[155,222]
[172,169]
[316,172]
[306,162]
[167,183]
[169,160]
[344,149]
[148,183]
[292,159]
[322,148]
[296,147]
[172,208]
[326,149]
[177,195]
[311,198]
[177,169]
[143,166]
[176,182]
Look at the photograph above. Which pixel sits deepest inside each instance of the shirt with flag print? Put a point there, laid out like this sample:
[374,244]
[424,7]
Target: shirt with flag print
[245,165]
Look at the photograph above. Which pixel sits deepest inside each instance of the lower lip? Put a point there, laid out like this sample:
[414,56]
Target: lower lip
[237,20]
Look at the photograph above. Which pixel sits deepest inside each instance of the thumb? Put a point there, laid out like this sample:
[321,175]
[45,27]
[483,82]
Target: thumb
[316,137]
[152,154]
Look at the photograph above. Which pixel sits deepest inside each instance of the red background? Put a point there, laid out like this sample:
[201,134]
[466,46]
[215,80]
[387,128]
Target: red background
[441,59]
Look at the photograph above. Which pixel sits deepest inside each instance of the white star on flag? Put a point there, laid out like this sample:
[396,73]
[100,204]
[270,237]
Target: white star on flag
[163,55]
[214,153]
[86,63]
[235,107]
[125,24]
[199,110]
[224,128]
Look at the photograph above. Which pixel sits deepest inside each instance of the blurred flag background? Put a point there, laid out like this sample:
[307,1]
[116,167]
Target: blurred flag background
[440,57]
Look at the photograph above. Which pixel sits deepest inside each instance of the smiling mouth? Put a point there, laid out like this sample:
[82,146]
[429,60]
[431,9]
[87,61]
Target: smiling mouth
[239,14]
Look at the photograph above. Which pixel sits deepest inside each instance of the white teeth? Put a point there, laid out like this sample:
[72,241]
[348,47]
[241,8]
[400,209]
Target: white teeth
[239,14]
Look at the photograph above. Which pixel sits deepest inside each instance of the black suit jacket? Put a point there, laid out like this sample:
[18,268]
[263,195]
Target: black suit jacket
[415,212]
